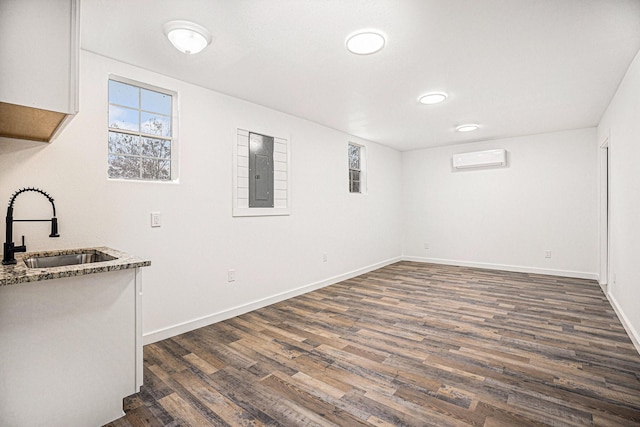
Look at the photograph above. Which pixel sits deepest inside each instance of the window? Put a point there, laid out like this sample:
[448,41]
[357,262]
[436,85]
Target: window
[355,168]
[141,131]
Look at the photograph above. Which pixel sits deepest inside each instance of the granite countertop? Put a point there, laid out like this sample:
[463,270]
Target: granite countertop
[20,273]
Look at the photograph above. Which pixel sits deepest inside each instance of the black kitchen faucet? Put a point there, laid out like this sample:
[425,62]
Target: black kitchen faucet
[9,247]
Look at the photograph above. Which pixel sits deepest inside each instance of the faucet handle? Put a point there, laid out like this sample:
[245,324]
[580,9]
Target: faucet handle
[22,248]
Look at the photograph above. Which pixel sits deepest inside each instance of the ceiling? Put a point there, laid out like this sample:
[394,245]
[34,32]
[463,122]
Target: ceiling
[516,67]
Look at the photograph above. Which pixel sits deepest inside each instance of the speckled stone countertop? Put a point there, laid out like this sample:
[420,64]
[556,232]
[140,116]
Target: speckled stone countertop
[20,273]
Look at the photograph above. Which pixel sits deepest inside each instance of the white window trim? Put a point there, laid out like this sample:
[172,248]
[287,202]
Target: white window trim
[175,175]
[363,168]
[241,211]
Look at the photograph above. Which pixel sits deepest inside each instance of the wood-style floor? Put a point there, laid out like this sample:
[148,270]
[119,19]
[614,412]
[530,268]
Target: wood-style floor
[410,344]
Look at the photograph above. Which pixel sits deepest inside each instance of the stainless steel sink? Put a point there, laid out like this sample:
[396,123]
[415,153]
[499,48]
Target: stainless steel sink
[48,261]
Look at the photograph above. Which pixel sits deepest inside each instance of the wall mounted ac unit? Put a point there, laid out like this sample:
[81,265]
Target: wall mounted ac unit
[478,159]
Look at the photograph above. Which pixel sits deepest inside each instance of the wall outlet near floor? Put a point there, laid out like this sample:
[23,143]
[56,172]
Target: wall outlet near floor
[547,254]
[231,276]
[324,257]
[426,246]
[156,219]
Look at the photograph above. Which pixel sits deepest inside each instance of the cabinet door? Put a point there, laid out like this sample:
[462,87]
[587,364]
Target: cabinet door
[39,51]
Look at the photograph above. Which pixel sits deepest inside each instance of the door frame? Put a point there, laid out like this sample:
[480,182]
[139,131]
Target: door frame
[605,214]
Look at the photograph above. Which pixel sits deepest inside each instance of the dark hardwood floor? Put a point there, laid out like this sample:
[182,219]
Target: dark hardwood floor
[410,344]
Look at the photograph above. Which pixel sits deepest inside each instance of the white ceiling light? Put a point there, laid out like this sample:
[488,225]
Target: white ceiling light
[468,127]
[365,43]
[432,98]
[186,36]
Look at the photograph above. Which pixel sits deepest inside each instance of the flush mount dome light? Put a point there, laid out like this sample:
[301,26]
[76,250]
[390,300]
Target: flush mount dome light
[365,42]
[432,98]
[468,127]
[186,36]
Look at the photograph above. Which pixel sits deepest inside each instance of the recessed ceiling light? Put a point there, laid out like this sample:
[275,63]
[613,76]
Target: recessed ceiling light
[432,98]
[468,127]
[365,43]
[186,36]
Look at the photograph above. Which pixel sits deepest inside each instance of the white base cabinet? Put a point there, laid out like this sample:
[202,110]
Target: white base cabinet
[70,349]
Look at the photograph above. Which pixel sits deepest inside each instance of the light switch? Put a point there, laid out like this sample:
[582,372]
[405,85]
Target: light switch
[156,219]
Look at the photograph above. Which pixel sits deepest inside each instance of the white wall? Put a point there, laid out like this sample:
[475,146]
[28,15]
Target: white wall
[506,218]
[199,240]
[620,125]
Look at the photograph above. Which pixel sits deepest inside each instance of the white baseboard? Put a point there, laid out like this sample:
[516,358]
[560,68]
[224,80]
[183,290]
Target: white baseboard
[633,334]
[190,325]
[515,268]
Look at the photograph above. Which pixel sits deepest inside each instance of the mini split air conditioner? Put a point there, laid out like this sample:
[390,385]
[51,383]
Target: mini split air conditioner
[478,159]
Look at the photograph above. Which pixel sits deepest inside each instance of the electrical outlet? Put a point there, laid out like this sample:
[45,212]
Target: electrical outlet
[324,257]
[231,276]
[156,219]
[426,246]
[547,254]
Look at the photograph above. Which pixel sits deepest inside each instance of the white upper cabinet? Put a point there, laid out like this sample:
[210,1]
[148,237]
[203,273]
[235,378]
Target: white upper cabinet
[39,47]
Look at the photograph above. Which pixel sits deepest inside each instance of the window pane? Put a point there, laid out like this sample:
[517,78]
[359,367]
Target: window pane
[156,148]
[165,149]
[123,118]
[124,94]
[156,169]
[354,181]
[122,143]
[354,157]
[164,169]
[124,166]
[150,148]
[156,124]
[156,102]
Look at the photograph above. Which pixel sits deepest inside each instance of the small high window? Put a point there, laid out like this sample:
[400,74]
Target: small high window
[141,130]
[355,168]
